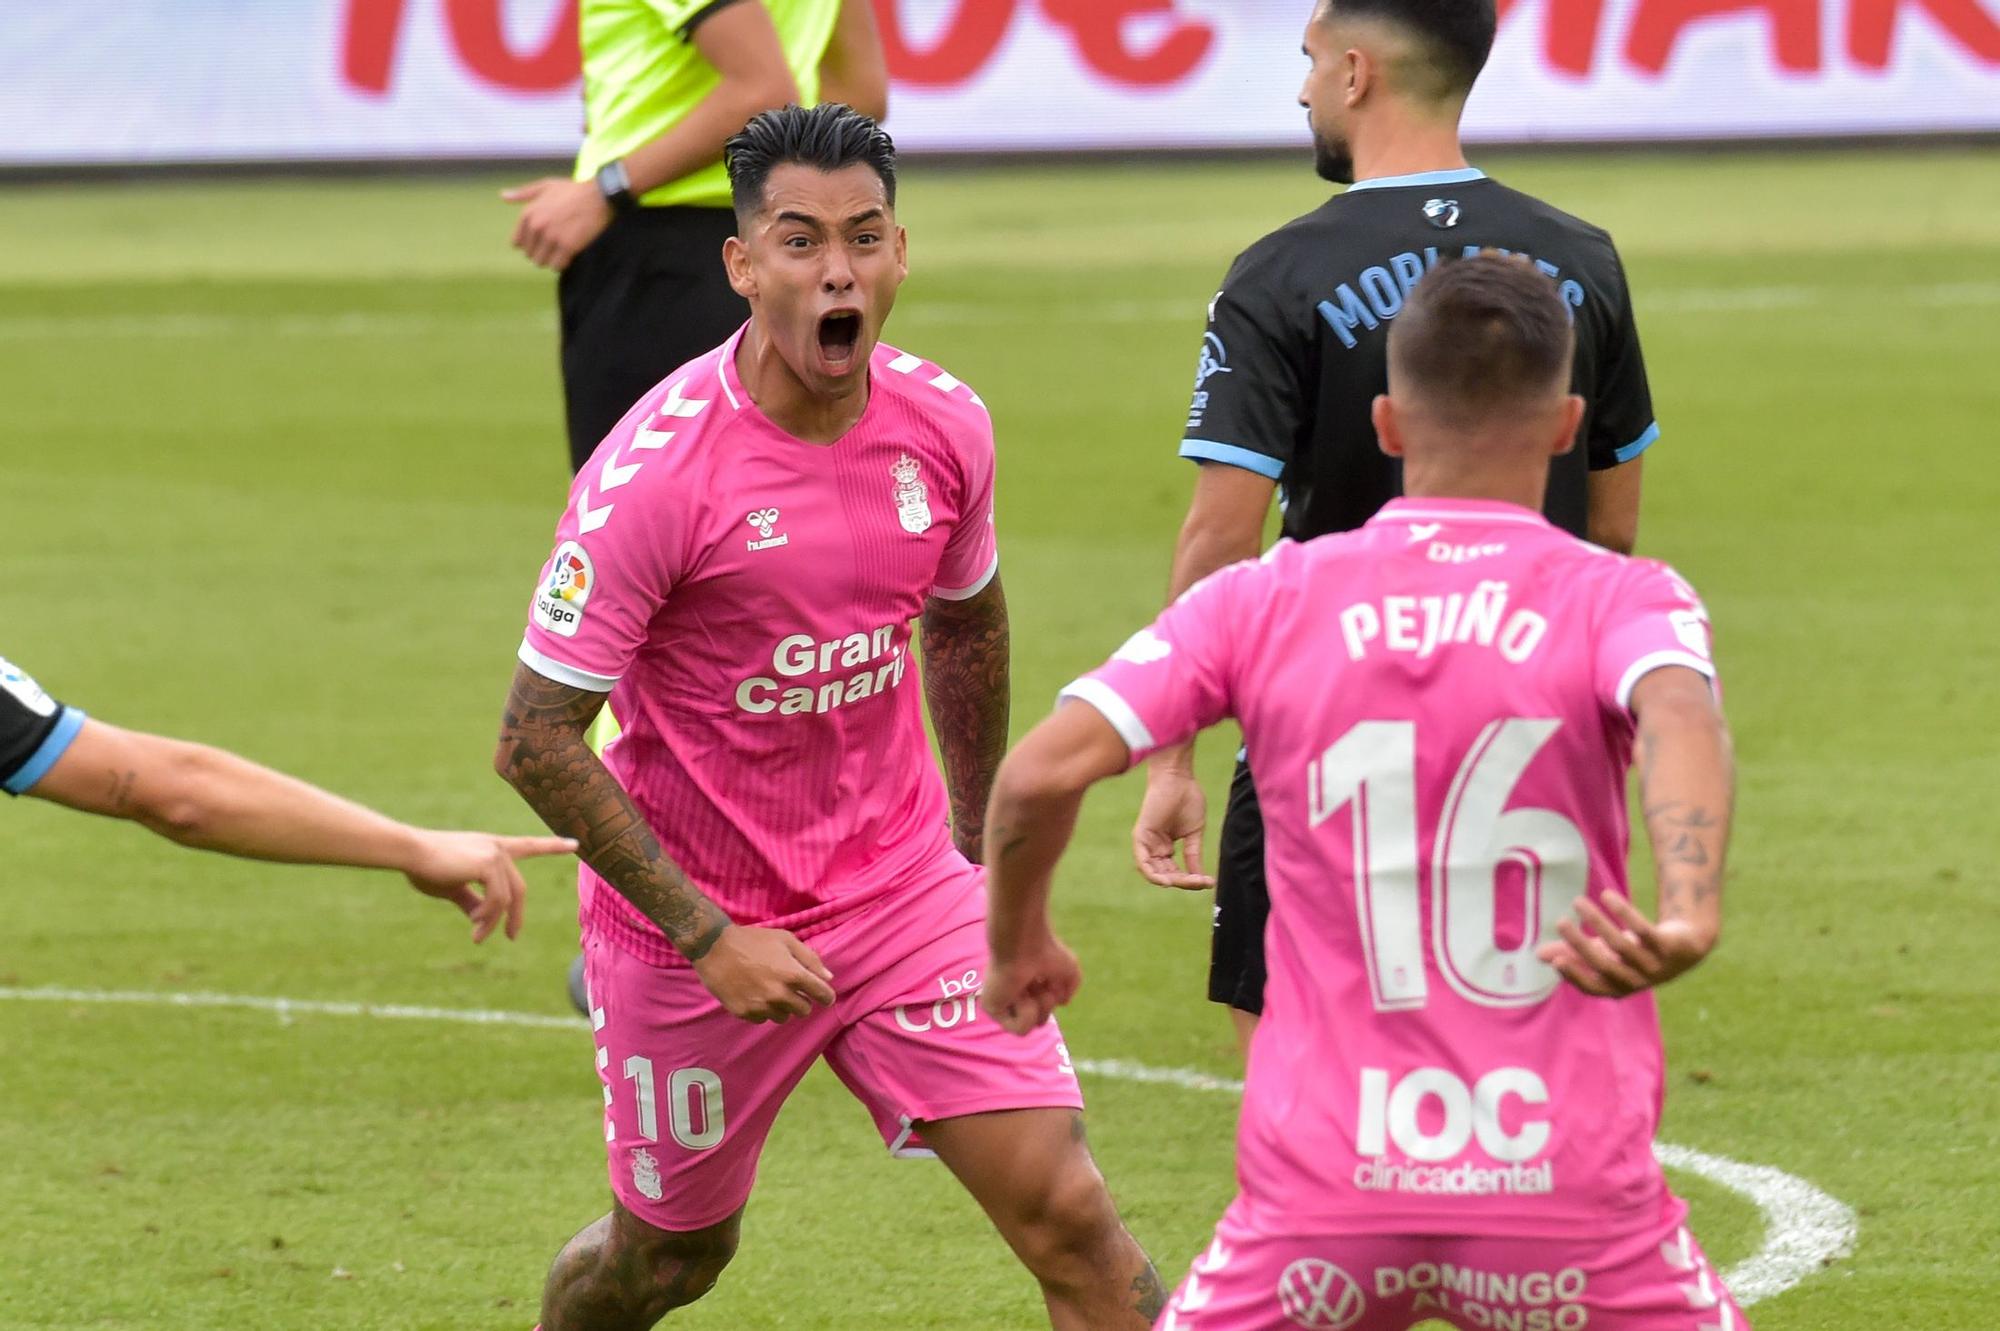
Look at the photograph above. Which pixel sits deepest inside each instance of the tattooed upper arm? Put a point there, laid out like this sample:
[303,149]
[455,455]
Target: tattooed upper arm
[967,687]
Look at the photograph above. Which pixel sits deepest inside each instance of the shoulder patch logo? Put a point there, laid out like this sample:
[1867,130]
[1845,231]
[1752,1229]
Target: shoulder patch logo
[913,506]
[1441,213]
[16,682]
[565,590]
[1214,360]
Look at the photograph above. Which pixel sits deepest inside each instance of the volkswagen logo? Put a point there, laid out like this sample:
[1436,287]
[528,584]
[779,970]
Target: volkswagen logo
[1319,1295]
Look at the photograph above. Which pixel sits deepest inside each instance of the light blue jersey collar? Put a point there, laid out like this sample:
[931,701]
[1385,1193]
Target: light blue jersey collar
[1455,176]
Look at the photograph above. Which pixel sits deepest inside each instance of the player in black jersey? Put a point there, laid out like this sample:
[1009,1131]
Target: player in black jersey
[204,797]
[1295,354]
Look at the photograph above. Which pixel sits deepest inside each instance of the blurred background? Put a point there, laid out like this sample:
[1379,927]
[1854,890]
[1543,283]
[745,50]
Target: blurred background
[178,81]
[281,449]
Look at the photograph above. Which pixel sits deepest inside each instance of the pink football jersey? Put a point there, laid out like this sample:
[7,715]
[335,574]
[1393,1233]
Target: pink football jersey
[746,599]
[1435,712]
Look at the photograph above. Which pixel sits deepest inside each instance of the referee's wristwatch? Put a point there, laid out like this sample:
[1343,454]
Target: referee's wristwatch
[616,186]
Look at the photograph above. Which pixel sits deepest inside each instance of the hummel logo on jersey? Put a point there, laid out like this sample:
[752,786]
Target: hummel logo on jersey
[1423,531]
[1441,213]
[764,519]
[913,508]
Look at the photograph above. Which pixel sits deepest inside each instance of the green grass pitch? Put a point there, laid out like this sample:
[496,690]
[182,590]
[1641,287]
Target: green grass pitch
[279,462]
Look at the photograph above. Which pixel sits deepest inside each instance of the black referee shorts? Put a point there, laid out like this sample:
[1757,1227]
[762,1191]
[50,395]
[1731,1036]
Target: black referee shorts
[640,301]
[1242,901]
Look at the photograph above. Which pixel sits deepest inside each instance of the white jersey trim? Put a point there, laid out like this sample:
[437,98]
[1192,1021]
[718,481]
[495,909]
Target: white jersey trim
[967,593]
[1115,710]
[549,668]
[1387,517]
[1652,661]
[725,363]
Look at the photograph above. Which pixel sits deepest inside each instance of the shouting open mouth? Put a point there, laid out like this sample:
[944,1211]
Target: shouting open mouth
[839,339]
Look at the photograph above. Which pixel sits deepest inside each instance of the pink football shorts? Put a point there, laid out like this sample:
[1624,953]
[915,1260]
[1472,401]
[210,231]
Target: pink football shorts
[690,1091]
[1656,1279]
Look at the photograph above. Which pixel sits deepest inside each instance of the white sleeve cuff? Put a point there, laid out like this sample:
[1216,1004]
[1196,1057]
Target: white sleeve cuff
[1115,710]
[967,593]
[1652,661]
[550,668]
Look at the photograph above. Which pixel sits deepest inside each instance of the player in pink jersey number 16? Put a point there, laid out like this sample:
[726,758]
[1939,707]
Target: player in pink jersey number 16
[1452,1097]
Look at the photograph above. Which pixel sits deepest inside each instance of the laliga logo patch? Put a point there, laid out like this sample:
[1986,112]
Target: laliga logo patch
[1441,213]
[565,590]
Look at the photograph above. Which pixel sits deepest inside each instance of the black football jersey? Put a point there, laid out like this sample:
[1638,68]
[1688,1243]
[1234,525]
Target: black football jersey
[35,729]
[1297,343]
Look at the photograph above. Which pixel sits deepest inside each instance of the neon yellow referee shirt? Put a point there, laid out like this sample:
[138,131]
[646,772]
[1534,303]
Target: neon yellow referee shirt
[642,74]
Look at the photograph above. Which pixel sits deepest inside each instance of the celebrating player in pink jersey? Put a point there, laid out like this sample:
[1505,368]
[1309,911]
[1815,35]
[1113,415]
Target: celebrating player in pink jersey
[1440,709]
[738,570]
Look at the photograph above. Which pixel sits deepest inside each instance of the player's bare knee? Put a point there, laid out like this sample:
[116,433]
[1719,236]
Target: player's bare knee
[1068,1229]
[676,1267]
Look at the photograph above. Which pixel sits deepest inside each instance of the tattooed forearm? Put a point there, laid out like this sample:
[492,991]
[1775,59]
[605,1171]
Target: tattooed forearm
[966,675]
[1007,839]
[544,756]
[1687,848]
[118,798]
[1686,791]
[1682,832]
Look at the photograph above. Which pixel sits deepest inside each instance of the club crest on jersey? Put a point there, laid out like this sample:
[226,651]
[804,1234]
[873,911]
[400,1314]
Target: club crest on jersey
[646,1174]
[1441,213]
[765,520]
[1214,360]
[913,506]
[565,590]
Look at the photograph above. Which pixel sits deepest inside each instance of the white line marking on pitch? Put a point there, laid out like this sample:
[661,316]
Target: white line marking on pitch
[1658,302]
[1804,1228]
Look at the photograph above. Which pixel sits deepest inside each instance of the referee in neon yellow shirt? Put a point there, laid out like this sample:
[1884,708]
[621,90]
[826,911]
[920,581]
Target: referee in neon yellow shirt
[637,233]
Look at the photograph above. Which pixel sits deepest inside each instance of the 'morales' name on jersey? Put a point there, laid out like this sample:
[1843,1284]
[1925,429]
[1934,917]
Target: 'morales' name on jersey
[1296,346]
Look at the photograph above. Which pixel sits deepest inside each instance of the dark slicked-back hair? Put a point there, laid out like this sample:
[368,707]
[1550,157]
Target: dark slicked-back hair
[1480,335]
[1458,33]
[828,137]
